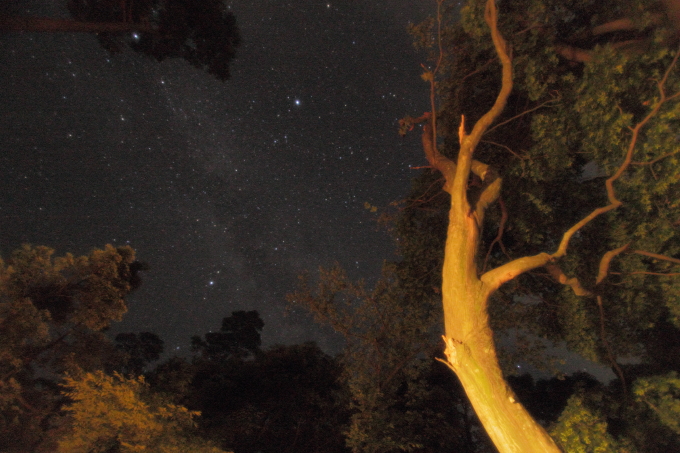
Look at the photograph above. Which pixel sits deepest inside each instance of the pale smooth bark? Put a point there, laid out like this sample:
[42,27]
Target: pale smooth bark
[470,348]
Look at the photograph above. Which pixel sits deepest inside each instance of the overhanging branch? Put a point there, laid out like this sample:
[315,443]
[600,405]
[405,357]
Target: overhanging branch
[50,25]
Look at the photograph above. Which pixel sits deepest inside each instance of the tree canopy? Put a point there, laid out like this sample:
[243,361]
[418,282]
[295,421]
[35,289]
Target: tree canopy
[549,210]
[52,314]
[114,413]
[65,386]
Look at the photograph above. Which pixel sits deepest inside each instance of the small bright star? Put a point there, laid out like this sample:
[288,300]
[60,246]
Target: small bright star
[297,102]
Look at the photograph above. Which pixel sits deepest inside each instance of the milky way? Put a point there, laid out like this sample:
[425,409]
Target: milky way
[228,190]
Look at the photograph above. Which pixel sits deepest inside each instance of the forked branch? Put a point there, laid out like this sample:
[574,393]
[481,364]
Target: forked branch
[609,183]
[496,277]
[468,143]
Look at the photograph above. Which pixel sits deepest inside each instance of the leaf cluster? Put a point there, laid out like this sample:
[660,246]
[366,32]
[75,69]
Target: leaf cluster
[52,314]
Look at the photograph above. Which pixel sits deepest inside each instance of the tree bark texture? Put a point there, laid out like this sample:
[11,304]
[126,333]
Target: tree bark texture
[470,348]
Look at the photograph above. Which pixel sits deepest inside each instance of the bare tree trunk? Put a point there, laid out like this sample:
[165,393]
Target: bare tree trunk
[470,348]
[471,351]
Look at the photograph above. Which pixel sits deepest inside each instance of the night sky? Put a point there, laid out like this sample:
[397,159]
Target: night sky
[227,190]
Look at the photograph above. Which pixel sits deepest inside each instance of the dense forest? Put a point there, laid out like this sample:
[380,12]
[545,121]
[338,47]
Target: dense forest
[546,212]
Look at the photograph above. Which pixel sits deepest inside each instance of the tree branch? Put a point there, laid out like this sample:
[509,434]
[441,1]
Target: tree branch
[503,51]
[615,25]
[494,278]
[541,105]
[573,53]
[609,183]
[499,236]
[606,260]
[610,352]
[468,143]
[657,256]
[557,273]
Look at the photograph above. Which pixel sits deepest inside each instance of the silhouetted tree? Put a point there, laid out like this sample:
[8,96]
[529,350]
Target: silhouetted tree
[239,337]
[204,33]
[138,350]
[286,398]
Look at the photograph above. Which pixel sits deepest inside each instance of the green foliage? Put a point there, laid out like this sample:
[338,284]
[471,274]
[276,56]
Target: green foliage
[587,90]
[52,311]
[580,430]
[116,413]
[662,395]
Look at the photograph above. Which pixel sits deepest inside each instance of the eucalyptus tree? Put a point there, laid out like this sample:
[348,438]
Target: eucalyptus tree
[551,208]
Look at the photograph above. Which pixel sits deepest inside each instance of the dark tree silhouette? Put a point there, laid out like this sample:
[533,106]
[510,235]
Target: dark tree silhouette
[239,337]
[139,350]
[204,33]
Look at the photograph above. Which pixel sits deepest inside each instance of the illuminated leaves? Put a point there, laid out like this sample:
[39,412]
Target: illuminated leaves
[580,430]
[662,395]
[110,412]
[52,311]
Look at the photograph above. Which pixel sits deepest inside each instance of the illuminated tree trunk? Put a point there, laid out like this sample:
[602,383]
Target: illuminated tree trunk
[470,348]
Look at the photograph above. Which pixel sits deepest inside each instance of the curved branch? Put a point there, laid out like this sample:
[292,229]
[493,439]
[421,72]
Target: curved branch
[557,273]
[503,51]
[494,278]
[468,143]
[606,260]
[609,183]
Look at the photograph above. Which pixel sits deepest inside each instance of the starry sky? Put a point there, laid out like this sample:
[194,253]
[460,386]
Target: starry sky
[227,190]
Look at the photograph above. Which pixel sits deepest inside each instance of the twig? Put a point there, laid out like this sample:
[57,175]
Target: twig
[609,183]
[499,236]
[610,353]
[657,256]
[522,114]
[505,147]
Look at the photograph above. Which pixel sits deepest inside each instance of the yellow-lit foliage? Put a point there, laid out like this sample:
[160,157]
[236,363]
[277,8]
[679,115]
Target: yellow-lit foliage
[580,430]
[115,411]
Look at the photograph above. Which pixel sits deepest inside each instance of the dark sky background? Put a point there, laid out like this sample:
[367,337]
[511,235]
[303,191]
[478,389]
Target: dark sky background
[228,190]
